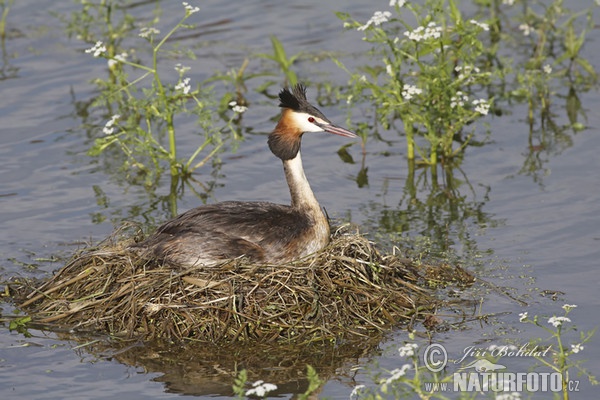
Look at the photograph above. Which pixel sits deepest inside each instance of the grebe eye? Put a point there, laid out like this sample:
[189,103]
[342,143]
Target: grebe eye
[311,119]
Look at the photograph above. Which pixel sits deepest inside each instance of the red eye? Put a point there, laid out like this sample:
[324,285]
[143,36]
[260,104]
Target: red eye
[311,119]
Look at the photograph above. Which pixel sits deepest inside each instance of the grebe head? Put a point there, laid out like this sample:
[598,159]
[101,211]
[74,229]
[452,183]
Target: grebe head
[298,117]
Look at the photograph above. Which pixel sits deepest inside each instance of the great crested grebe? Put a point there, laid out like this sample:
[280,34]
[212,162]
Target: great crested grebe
[259,231]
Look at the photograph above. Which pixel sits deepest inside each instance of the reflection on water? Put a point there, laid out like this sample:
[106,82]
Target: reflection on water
[203,369]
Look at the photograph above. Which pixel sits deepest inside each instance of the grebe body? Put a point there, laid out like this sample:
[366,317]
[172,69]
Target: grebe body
[262,232]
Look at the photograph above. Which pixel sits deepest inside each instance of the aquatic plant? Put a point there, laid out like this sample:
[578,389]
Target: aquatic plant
[140,116]
[428,76]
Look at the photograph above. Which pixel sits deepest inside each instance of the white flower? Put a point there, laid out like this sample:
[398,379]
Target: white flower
[237,108]
[182,69]
[377,19]
[146,32]
[526,29]
[399,3]
[523,316]
[109,126]
[483,26]
[389,70]
[508,2]
[481,106]
[408,91]
[459,99]
[424,33]
[576,348]
[190,9]
[260,389]
[184,86]
[355,392]
[408,350]
[117,59]
[98,49]
[396,374]
[548,70]
[558,321]
[568,307]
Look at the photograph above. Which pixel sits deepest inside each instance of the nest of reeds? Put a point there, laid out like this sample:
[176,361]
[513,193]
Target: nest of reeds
[345,291]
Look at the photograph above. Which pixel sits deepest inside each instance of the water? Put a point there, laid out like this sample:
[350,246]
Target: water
[540,230]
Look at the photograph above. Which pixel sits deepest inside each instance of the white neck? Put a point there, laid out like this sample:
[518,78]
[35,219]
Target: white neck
[300,191]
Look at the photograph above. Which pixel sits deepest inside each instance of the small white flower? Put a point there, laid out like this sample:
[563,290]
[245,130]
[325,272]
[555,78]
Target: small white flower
[482,25]
[377,19]
[408,91]
[356,391]
[98,49]
[523,316]
[569,307]
[547,69]
[389,70]
[481,106]
[459,99]
[399,3]
[408,350]
[182,69]
[397,374]
[527,29]
[237,108]
[558,321]
[109,126]
[260,389]
[508,2]
[190,9]
[117,59]
[146,32]
[184,86]
[425,33]
[576,348]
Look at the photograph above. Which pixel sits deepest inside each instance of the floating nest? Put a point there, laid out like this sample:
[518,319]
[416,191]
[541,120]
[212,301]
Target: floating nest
[346,291]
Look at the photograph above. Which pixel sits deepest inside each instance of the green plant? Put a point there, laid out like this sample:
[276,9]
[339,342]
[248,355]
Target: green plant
[284,62]
[561,360]
[142,125]
[428,77]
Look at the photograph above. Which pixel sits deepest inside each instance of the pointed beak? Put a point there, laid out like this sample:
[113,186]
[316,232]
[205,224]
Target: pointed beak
[337,130]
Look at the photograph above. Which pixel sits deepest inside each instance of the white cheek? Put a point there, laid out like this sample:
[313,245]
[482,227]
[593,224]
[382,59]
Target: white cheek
[301,121]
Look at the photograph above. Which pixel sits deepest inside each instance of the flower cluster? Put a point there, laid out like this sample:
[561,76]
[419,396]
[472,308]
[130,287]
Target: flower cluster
[395,375]
[190,9]
[408,91]
[425,33]
[408,350]
[184,86]
[481,106]
[237,108]
[527,29]
[523,316]
[558,321]
[146,32]
[482,25]
[459,99]
[98,49]
[399,3]
[260,389]
[465,71]
[109,127]
[377,19]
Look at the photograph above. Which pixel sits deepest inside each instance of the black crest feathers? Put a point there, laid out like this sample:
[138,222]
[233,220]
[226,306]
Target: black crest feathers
[296,100]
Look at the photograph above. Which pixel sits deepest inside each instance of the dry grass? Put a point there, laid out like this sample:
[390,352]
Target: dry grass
[347,291]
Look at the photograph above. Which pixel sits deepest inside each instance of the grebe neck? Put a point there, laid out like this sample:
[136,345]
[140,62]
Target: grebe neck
[302,195]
